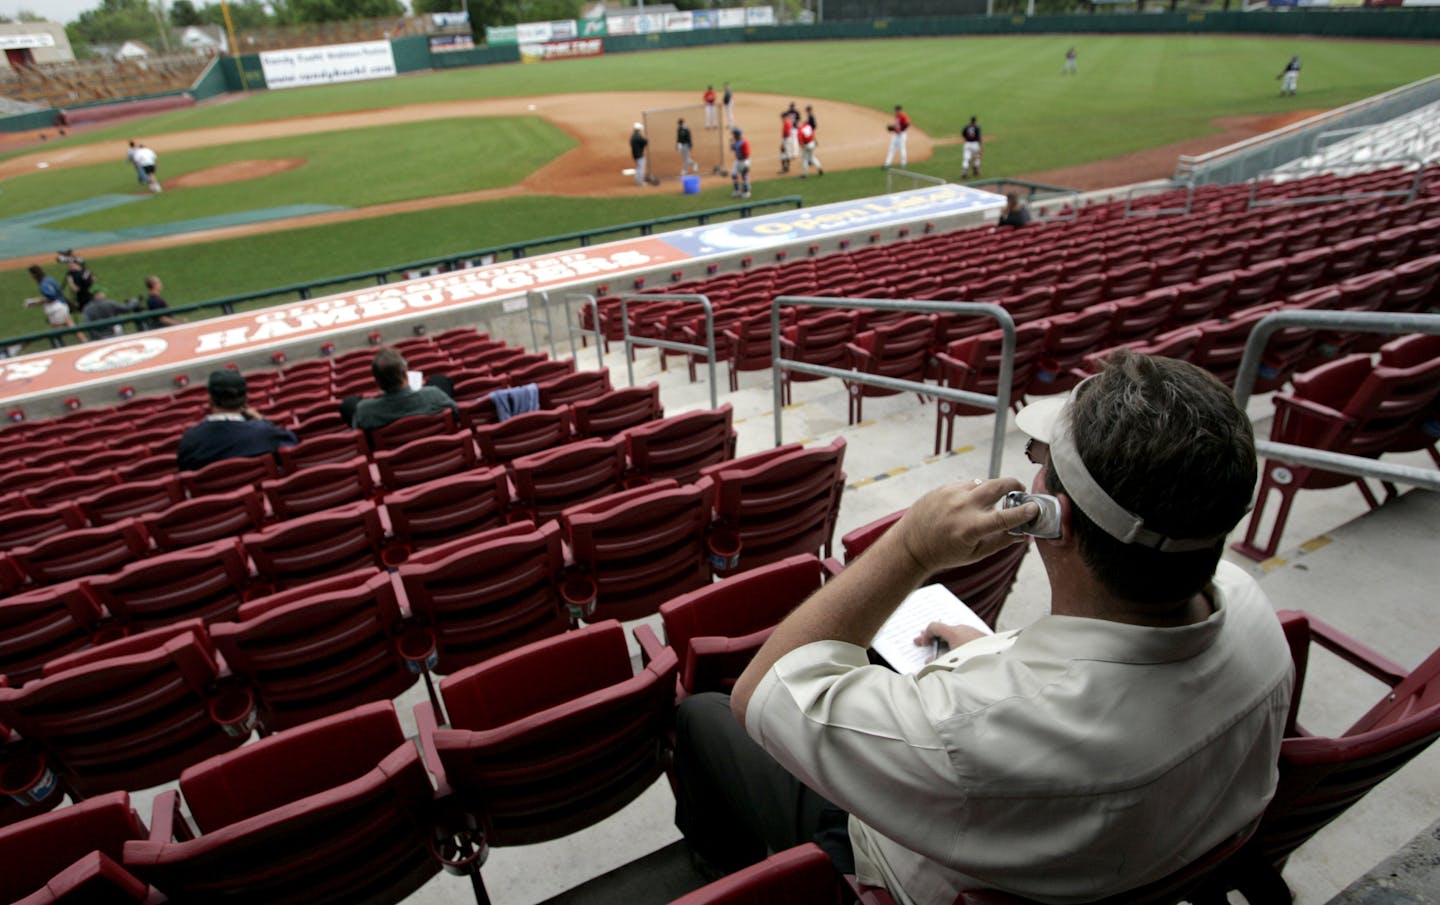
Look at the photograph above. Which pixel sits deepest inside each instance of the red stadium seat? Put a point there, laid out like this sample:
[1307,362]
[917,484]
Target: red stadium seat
[339,810]
[445,509]
[548,482]
[775,504]
[407,430]
[318,649]
[316,546]
[206,582]
[205,519]
[524,434]
[319,487]
[426,459]
[634,550]
[509,756]
[229,474]
[129,714]
[488,593]
[608,414]
[974,364]
[132,499]
[715,630]
[325,449]
[569,388]
[680,446]
[85,551]
[899,351]
[45,849]
[42,624]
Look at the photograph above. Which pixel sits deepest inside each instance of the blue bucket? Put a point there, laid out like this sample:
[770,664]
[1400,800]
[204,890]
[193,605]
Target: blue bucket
[692,185]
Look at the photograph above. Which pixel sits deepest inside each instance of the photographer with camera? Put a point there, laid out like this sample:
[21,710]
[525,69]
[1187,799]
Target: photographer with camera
[78,278]
[1102,747]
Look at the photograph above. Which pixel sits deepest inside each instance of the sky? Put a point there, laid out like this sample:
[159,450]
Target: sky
[54,10]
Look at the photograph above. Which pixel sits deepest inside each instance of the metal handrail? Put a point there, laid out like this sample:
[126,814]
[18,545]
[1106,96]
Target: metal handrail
[1000,402]
[1352,321]
[597,334]
[1189,188]
[915,178]
[1254,201]
[708,350]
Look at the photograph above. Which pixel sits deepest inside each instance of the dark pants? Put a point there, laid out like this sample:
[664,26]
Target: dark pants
[735,803]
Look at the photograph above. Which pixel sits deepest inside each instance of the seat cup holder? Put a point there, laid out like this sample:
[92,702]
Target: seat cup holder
[722,548]
[580,594]
[28,779]
[233,710]
[393,555]
[418,649]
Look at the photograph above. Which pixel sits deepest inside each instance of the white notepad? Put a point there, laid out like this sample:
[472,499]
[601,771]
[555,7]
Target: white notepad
[932,603]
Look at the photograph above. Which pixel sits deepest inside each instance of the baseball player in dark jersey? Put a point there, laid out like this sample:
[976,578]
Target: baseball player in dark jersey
[897,129]
[973,149]
[683,144]
[638,143]
[1290,76]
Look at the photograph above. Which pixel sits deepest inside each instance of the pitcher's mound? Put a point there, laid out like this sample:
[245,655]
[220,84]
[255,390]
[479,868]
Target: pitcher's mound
[235,172]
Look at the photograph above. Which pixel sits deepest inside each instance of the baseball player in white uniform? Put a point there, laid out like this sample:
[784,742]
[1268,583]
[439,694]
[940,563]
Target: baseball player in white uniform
[898,128]
[1290,76]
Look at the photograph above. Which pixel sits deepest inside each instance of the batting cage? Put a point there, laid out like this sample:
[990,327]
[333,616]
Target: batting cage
[707,145]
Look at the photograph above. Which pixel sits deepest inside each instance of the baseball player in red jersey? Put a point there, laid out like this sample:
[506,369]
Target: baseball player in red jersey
[806,136]
[897,136]
[787,137]
[740,171]
[712,120]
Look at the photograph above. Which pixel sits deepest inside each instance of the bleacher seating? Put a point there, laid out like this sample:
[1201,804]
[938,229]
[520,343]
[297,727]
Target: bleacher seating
[474,587]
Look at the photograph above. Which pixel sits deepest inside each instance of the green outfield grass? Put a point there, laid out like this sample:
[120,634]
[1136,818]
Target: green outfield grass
[348,169]
[1131,93]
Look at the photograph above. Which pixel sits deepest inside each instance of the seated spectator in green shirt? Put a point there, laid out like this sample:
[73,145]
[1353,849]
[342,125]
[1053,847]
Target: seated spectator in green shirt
[397,399]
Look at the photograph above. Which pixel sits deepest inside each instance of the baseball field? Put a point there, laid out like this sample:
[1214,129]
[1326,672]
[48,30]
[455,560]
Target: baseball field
[281,187]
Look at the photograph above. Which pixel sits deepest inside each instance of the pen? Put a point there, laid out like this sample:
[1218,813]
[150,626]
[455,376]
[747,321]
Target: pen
[937,647]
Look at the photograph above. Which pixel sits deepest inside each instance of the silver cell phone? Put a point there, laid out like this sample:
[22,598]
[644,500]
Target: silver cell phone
[1046,524]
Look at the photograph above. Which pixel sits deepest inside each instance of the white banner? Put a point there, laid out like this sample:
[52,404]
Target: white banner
[327,65]
[732,17]
[683,21]
[533,32]
[620,25]
[759,15]
[560,29]
[21,42]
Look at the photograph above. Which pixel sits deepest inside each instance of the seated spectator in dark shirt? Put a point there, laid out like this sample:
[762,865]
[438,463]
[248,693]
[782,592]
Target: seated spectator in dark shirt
[231,430]
[100,308]
[398,400]
[1016,213]
[155,302]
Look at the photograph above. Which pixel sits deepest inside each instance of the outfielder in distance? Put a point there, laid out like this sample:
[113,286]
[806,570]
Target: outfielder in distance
[973,149]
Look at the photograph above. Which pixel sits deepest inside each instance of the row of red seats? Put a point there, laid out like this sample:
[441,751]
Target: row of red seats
[91,481]
[131,519]
[359,813]
[105,717]
[628,550]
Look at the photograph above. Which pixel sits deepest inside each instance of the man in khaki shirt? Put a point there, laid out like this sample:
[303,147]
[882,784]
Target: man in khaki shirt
[1100,748]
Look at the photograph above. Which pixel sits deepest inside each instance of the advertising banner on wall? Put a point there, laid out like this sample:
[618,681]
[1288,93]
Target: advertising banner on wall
[446,20]
[705,18]
[759,15]
[682,21]
[533,32]
[563,29]
[450,43]
[562,50]
[620,25]
[327,65]
[501,34]
[732,18]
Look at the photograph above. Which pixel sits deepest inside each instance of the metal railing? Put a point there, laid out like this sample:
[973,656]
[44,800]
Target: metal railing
[1131,211]
[1351,321]
[1039,194]
[1300,172]
[999,403]
[708,350]
[382,275]
[916,179]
